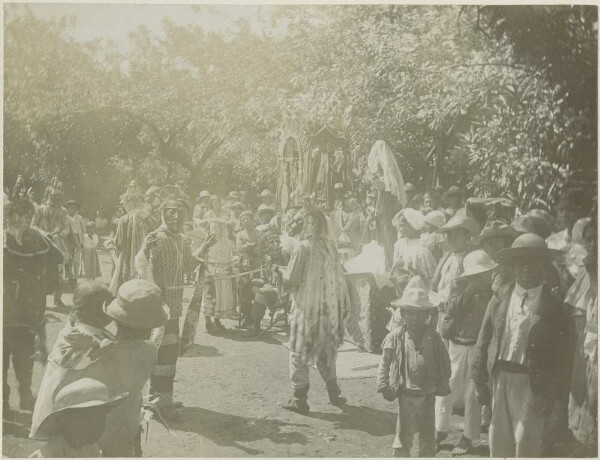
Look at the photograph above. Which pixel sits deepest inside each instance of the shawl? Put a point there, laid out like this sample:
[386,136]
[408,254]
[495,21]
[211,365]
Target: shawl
[320,301]
[381,156]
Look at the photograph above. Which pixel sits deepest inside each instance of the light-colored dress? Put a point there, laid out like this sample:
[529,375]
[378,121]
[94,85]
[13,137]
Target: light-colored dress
[90,268]
[414,257]
[218,298]
[583,398]
[320,301]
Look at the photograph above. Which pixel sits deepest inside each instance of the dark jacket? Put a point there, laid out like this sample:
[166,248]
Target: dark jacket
[391,375]
[548,344]
[464,317]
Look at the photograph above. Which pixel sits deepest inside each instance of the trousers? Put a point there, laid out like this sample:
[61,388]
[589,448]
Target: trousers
[416,413]
[462,388]
[515,429]
[163,375]
[19,347]
[299,371]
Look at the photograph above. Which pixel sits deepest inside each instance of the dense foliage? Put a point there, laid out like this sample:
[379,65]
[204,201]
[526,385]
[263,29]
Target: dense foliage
[470,95]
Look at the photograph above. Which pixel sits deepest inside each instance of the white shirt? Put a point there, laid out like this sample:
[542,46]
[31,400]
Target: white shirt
[521,315]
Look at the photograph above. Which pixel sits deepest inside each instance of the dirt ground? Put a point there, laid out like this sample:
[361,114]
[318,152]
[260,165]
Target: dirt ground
[233,389]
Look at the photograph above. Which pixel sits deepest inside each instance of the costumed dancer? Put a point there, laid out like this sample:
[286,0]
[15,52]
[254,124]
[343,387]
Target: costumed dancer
[320,303]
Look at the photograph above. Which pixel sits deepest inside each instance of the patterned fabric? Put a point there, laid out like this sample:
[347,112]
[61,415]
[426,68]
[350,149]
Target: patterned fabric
[170,258]
[413,256]
[320,301]
[163,375]
[218,299]
[132,228]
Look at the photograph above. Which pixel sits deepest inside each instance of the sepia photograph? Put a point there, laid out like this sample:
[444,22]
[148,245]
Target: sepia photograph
[300,230]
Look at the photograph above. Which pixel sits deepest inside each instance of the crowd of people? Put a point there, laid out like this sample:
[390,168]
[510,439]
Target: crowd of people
[495,310]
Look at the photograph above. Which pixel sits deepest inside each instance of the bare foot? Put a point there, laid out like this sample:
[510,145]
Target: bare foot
[463,447]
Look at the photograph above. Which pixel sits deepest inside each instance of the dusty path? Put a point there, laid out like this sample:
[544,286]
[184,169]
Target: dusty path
[233,389]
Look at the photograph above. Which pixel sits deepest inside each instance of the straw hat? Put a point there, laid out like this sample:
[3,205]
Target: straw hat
[527,245]
[139,305]
[265,208]
[436,219]
[532,224]
[204,194]
[237,205]
[245,214]
[461,221]
[496,229]
[477,262]
[414,218]
[417,299]
[265,193]
[83,393]
[234,195]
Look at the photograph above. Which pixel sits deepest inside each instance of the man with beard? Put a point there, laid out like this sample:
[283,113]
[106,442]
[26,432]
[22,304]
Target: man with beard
[29,257]
[163,259]
[132,228]
[52,220]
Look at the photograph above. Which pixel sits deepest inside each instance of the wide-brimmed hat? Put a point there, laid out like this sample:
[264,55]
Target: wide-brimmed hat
[414,218]
[245,214]
[532,224]
[477,262]
[265,208]
[138,305]
[204,194]
[496,229]
[461,221]
[73,203]
[234,195]
[84,393]
[237,205]
[417,299]
[436,219]
[90,293]
[527,245]
[453,190]
[266,193]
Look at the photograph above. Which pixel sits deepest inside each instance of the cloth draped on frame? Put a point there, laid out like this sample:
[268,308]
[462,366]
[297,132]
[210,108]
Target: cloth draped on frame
[382,159]
[320,301]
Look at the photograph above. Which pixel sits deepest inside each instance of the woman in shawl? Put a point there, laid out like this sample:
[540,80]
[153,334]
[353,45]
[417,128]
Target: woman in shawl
[319,306]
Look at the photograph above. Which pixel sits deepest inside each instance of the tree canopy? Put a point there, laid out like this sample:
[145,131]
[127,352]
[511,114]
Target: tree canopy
[499,99]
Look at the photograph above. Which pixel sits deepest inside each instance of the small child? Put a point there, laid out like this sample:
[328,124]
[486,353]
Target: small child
[91,264]
[78,420]
[414,368]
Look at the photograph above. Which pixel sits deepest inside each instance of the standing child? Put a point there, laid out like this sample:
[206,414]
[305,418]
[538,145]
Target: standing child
[78,420]
[91,264]
[414,368]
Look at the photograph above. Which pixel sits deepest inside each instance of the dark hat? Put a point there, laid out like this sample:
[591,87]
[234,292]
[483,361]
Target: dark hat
[532,224]
[461,221]
[139,305]
[528,245]
[453,190]
[89,294]
[496,229]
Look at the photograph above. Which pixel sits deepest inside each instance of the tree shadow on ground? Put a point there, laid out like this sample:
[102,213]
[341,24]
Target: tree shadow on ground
[201,351]
[231,430]
[360,418]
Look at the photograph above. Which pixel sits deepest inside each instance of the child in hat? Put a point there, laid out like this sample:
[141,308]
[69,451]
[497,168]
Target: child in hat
[78,420]
[414,368]
[524,347]
[461,327]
